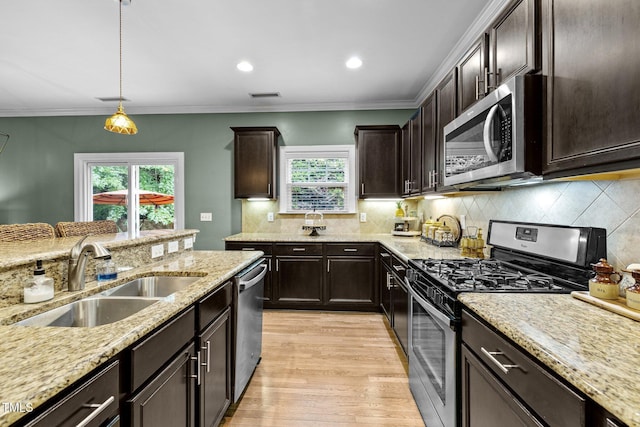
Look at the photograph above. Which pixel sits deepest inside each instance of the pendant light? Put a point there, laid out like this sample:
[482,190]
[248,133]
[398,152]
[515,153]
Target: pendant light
[120,122]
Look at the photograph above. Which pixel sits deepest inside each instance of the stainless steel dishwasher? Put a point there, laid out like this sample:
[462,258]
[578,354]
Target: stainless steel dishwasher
[248,300]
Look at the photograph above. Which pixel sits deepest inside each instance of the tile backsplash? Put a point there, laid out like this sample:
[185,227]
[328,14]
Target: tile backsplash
[613,205]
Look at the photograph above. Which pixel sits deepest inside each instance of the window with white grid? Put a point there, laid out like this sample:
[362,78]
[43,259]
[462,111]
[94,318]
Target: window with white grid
[317,178]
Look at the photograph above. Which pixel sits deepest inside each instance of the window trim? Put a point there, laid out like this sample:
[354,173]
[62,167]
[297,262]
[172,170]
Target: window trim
[287,152]
[82,186]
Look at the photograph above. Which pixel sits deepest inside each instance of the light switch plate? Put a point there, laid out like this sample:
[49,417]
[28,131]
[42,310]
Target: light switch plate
[188,243]
[157,251]
[206,216]
[172,247]
[363,217]
[270,216]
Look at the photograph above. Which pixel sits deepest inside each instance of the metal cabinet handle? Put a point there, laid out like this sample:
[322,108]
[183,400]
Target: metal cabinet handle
[269,262]
[299,249]
[477,78]
[350,250]
[208,362]
[248,249]
[399,268]
[277,264]
[99,408]
[198,364]
[328,266]
[385,255]
[269,189]
[491,355]
[362,188]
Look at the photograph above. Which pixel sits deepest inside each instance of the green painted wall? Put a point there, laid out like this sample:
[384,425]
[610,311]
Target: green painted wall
[36,167]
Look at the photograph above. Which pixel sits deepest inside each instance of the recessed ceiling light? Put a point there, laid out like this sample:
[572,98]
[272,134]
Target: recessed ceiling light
[354,62]
[244,66]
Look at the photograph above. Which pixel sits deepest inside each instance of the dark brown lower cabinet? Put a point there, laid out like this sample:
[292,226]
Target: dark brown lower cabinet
[169,399]
[400,296]
[351,282]
[485,401]
[298,281]
[215,379]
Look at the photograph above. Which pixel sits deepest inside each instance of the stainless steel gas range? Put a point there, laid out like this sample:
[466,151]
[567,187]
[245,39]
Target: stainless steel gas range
[525,257]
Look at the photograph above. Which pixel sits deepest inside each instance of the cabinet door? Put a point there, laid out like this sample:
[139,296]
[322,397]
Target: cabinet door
[485,401]
[379,153]
[351,283]
[215,385]
[591,56]
[298,281]
[168,400]
[400,304]
[254,153]
[514,47]
[446,111]
[412,156]
[385,293]
[471,74]
[429,142]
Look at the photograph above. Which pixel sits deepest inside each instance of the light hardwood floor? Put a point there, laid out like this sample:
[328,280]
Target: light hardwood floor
[326,369]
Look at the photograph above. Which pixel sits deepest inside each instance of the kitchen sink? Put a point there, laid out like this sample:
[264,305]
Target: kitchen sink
[89,312]
[151,286]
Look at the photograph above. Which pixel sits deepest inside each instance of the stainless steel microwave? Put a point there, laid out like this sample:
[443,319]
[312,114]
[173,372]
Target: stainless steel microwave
[497,141]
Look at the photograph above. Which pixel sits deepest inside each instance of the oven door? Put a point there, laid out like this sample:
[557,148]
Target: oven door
[432,362]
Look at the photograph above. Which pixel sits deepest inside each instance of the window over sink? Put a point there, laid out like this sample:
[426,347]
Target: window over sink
[317,178]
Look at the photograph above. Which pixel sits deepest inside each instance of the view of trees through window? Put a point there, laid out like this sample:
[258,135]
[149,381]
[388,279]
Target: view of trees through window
[317,184]
[155,185]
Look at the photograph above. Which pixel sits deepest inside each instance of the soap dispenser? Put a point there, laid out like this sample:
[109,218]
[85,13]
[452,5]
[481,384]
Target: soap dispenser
[106,270]
[40,287]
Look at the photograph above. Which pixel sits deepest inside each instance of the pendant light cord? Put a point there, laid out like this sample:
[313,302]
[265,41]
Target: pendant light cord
[120,1]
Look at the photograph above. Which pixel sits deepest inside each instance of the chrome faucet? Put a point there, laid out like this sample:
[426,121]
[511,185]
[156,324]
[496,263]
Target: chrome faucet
[78,261]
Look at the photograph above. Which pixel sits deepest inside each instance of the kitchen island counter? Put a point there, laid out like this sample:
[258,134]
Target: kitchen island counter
[596,351]
[37,363]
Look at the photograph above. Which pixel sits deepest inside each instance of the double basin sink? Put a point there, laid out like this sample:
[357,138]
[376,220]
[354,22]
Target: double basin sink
[113,304]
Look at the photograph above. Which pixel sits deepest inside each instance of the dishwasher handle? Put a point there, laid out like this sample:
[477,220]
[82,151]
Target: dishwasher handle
[244,285]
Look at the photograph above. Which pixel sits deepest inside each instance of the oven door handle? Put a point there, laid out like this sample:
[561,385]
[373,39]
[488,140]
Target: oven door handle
[486,134]
[451,322]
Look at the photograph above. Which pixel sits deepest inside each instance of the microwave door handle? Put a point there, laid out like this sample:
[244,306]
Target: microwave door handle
[486,134]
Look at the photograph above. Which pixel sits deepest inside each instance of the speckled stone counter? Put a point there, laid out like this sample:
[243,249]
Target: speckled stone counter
[405,247]
[36,363]
[595,350]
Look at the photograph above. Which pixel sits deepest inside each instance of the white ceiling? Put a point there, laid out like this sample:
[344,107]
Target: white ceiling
[59,57]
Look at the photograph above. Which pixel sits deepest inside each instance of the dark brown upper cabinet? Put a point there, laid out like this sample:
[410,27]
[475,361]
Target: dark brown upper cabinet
[472,74]
[255,161]
[379,153]
[514,46]
[591,58]
[429,135]
[446,111]
[412,156]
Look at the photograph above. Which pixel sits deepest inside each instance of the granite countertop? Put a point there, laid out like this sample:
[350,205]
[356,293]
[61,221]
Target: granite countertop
[404,247]
[36,363]
[595,350]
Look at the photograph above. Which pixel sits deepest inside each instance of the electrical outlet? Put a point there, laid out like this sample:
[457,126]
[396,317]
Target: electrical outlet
[188,243]
[270,216]
[157,250]
[363,217]
[172,247]
[206,216]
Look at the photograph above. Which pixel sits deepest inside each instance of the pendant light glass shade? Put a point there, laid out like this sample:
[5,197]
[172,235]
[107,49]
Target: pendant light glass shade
[120,122]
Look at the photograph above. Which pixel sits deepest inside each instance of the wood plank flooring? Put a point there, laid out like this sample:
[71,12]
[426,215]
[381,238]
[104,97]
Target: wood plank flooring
[326,369]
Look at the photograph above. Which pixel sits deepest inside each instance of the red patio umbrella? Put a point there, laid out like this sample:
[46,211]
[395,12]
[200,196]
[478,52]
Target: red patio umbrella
[119,197]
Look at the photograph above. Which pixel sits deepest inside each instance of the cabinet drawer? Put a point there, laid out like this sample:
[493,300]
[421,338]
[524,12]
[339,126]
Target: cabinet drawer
[398,267]
[213,305]
[149,355]
[100,389]
[298,249]
[351,249]
[385,256]
[550,399]
[249,246]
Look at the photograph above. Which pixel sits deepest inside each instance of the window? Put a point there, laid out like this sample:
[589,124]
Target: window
[319,178]
[139,191]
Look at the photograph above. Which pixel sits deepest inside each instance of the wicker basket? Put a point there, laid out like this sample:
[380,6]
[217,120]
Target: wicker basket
[66,229]
[30,231]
